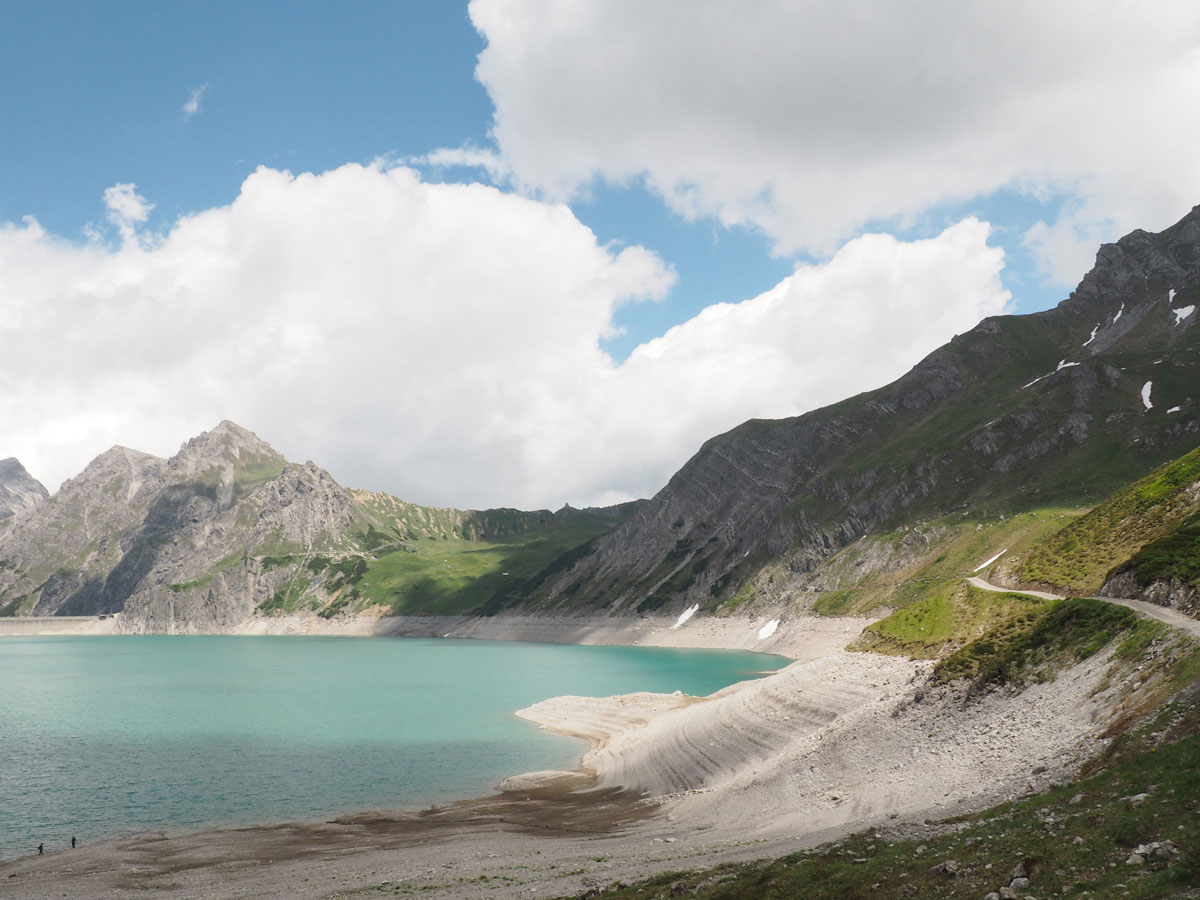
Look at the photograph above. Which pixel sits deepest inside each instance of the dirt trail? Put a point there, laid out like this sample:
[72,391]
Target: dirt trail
[1151,610]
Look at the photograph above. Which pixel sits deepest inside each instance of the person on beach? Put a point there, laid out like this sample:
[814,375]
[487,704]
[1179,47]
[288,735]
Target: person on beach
[41,849]
[72,842]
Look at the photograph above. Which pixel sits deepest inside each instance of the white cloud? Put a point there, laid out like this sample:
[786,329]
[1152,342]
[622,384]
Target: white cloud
[440,341]
[814,119]
[126,209]
[467,157]
[192,105]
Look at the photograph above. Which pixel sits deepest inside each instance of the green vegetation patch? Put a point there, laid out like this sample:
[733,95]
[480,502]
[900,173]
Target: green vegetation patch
[18,606]
[450,576]
[288,598]
[838,603]
[950,615]
[1175,555]
[941,552]
[1035,645]
[346,572]
[374,539]
[201,582]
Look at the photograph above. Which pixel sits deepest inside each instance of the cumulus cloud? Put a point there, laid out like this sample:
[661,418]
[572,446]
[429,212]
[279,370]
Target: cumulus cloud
[192,105]
[812,120]
[439,341]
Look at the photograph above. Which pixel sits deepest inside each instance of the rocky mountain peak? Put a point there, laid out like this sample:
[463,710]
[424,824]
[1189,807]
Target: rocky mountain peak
[1142,292]
[228,459]
[19,491]
[225,444]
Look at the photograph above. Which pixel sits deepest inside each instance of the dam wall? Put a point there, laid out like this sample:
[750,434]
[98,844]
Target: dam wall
[35,625]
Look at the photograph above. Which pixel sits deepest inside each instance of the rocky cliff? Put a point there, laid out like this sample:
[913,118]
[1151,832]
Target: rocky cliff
[1021,411]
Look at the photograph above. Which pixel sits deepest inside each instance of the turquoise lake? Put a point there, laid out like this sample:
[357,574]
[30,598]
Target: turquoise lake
[105,735]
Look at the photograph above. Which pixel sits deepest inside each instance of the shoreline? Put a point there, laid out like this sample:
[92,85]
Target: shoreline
[798,637]
[829,744]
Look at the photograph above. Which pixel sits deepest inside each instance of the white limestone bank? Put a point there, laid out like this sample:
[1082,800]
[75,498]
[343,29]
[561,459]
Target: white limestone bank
[801,637]
[844,741]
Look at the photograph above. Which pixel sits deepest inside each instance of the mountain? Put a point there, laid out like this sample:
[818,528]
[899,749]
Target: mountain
[227,529]
[19,491]
[1055,408]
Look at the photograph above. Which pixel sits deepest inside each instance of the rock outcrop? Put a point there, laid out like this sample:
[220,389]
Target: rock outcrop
[1173,593]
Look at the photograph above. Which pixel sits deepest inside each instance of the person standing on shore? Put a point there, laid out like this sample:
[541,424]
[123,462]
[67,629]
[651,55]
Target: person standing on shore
[41,849]
[72,842]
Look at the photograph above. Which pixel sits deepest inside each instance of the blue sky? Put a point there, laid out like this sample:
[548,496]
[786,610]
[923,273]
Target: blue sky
[725,150]
[300,86]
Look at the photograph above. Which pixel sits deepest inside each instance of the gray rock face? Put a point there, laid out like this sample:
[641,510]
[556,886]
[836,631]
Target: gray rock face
[1019,412]
[19,491]
[191,535]
[1172,593]
[131,523]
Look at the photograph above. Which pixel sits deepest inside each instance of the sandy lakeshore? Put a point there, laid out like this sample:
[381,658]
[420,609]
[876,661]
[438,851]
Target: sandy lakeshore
[833,742]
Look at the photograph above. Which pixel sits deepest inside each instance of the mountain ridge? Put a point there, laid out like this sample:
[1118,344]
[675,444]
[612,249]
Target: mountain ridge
[1017,412]
[19,491]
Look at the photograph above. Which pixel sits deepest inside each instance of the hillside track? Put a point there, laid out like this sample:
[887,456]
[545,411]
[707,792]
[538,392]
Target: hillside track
[1150,610]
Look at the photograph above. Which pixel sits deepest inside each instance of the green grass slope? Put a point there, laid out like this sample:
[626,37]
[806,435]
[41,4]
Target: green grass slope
[1174,556]
[894,568]
[404,559]
[947,617]
[1157,513]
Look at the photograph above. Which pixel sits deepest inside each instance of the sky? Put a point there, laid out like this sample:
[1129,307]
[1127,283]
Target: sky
[530,252]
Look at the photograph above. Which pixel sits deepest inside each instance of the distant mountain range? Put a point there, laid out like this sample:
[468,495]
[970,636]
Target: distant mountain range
[1020,415]
[227,529]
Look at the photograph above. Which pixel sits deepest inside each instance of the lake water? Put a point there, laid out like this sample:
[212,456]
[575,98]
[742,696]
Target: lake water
[105,735]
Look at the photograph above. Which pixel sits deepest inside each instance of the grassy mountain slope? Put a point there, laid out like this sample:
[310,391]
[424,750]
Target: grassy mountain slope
[1158,513]
[430,561]
[1174,556]
[893,568]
